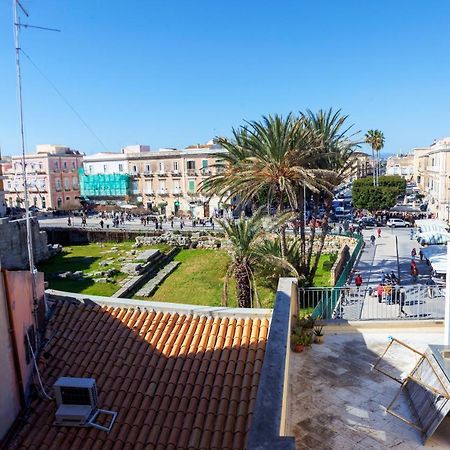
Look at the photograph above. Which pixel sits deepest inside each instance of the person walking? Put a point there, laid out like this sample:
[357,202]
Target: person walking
[69,222]
[413,254]
[358,280]
[414,273]
[102,223]
[372,239]
[380,292]
[402,299]
[383,277]
[379,232]
[411,234]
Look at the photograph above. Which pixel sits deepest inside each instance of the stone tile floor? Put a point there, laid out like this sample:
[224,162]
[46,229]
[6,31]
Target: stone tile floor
[338,402]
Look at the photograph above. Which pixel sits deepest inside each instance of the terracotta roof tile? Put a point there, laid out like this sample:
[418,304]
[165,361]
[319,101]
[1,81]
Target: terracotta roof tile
[176,381]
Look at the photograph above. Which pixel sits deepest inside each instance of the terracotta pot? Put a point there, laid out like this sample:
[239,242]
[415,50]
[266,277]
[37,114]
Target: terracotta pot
[298,348]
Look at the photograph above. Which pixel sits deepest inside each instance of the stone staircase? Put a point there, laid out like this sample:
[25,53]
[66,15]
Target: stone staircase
[150,287]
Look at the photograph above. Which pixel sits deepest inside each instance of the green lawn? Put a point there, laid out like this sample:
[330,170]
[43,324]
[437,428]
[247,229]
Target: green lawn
[87,257]
[199,280]
[322,277]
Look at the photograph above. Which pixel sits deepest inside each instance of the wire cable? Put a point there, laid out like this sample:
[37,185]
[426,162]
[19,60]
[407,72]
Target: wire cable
[44,393]
[55,88]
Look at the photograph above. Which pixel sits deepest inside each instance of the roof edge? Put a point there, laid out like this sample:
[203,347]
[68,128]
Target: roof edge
[180,308]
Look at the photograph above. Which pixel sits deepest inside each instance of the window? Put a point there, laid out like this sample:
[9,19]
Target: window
[147,168]
[8,185]
[190,165]
[175,166]
[59,202]
[68,199]
[161,166]
[204,163]
[56,166]
[120,167]
[65,165]
[75,183]
[74,164]
[66,184]
[105,168]
[135,169]
[35,201]
[191,186]
[43,203]
[58,184]
[162,186]
[40,166]
[90,168]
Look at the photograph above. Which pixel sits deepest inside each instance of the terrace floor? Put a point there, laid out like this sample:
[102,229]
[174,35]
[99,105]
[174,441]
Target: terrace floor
[338,402]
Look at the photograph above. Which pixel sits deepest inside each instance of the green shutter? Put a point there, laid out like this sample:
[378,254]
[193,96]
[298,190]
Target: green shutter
[191,185]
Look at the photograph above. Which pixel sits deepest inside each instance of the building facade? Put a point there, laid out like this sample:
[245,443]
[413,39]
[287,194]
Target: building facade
[360,166]
[402,165]
[2,190]
[52,178]
[432,175]
[167,181]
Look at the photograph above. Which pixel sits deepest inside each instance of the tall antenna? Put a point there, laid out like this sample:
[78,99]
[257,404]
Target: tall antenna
[17,26]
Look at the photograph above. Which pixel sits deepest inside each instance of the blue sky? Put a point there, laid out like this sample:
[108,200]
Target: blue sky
[170,73]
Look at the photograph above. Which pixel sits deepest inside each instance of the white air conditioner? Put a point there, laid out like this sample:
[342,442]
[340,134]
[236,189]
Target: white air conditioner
[76,400]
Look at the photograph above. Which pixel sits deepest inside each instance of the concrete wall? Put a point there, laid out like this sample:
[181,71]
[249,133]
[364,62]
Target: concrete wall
[338,266]
[13,243]
[9,394]
[15,290]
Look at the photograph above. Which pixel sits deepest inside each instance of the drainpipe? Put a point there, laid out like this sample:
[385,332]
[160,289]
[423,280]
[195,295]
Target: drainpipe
[15,352]
[447,300]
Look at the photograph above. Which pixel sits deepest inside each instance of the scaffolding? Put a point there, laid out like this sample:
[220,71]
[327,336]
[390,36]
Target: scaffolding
[104,185]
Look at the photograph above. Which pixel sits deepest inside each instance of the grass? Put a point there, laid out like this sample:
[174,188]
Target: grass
[199,280]
[87,258]
[323,274]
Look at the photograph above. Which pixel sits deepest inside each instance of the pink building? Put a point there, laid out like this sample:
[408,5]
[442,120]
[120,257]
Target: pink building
[52,178]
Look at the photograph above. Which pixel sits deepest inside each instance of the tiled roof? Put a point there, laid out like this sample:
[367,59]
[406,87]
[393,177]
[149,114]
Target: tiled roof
[176,381]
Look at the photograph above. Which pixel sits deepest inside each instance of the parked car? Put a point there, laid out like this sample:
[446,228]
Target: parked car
[397,223]
[368,222]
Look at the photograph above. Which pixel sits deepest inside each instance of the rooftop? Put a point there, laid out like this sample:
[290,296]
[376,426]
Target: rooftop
[177,380]
[338,402]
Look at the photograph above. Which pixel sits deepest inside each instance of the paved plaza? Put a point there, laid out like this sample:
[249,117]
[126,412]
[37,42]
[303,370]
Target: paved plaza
[336,400]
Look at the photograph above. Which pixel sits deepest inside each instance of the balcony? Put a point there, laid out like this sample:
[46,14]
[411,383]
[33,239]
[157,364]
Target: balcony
[163,193]
[149,192]
[176,174]
[162,174]
[134,174]
[206,172]
[177,192]
[147,173]
[191,172]
[58,188]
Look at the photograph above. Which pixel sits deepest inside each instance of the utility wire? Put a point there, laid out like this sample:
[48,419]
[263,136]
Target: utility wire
[50,82]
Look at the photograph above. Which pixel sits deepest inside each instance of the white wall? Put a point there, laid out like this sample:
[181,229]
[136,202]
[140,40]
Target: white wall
[112,165]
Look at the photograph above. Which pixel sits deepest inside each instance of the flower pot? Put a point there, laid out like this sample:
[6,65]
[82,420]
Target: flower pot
[319,339]
[298,348]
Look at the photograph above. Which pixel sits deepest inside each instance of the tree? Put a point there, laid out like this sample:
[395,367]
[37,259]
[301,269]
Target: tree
[244,236]
[375,138]
[383,196]
[266,160]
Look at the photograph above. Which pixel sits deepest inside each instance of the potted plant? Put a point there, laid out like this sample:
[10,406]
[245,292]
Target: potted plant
[318,334]
[298,343]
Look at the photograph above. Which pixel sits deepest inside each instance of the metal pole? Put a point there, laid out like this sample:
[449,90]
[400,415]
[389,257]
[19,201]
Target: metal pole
[447,300]
[304,205]
[22,146]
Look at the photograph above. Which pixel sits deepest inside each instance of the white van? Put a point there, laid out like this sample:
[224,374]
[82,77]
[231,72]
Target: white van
[397,223]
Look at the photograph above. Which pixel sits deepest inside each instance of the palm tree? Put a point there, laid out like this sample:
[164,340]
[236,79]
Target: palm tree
[333,147]
[244,236]
[375,138]
[264,162]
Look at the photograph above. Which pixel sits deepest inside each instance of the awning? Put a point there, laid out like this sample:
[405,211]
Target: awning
[433,237]
[427,225]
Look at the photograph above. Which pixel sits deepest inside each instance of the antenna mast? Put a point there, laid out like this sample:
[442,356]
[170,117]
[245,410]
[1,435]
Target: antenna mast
[17,25]
[16,5]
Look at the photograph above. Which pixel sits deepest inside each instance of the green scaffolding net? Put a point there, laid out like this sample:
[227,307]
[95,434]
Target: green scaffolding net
[104,185]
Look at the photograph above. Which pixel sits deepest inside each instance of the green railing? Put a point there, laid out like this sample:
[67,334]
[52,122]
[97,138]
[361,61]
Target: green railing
[327,303]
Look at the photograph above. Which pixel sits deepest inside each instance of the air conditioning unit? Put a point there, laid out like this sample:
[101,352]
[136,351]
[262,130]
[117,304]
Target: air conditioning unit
[76,400]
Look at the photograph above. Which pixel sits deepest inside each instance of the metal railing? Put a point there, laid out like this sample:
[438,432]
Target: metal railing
[364,303]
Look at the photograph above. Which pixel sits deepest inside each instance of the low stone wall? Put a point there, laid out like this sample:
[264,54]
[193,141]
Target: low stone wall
[339,265]
[13,243]
[192,240]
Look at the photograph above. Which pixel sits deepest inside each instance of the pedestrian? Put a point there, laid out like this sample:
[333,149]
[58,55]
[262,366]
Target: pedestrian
[101,223]
[372,239]
[380,292]
[358,280]
[421,255]
[379,232]
[413,254]
[383,277]
[393,278]
[411,234]
[402,299]
[69,222]
[414,273]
